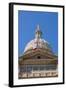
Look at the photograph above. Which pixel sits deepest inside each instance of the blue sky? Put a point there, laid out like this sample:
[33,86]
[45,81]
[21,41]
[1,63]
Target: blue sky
[27,22]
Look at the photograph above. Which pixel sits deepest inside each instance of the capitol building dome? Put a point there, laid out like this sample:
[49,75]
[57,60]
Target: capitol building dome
[38,42]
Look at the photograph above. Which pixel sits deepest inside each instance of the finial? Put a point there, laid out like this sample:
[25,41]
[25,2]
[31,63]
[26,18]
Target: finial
[38,27]
[38,32]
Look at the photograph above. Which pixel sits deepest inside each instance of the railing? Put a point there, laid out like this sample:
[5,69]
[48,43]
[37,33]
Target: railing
[39,74]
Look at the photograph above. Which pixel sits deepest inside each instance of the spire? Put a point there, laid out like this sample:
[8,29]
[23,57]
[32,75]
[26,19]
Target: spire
[38,27]
[38,32]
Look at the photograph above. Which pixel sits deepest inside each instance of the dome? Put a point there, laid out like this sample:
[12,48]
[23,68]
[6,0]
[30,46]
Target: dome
[38,42]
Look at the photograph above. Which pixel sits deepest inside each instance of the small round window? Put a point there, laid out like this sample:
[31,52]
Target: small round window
[38,57]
